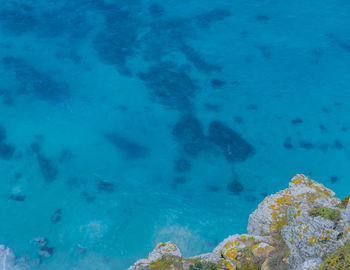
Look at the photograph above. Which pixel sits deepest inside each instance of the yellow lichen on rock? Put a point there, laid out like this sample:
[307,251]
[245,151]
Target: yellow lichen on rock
[262,250]
[282,234]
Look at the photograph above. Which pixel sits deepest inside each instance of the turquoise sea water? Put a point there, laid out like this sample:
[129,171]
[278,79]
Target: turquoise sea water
[127,123]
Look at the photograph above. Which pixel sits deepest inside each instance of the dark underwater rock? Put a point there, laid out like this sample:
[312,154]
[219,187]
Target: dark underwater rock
[129,148]
[334,179]
[88,197]
[178,181]
[46,252]
[182,165]
[66,155]
[105,186]
[18,198]
[337,144]
[156,10]
[188,128]
[66,19]
[189,131]
[6,150]
[306,145]
[288,143]
[238,119]
[35,147]
[216,15]
[118,41]
[198,62]
[213,188]
[235,187]
[36,83]
[322,128]
[342,43]
[297,121]
[232,145]
[47,168]
[253,107]
[212,107]
[18,20]
[262,18]
[56,217]
[217,83]
[170,86]
[115,48]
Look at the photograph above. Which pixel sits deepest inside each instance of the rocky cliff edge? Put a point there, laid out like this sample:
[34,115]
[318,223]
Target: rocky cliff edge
[304,227]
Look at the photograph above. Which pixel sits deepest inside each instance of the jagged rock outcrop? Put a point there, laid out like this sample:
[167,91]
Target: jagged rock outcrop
[296,229]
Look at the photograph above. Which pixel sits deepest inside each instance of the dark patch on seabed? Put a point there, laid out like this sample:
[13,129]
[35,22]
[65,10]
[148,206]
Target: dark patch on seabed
[216,85]
[170,86]
[48,170]
[182,165]
[36,83]
[6,150]
[188,131]
[235,187]
[130,149]
[63,19]
[106,186]
[232,145]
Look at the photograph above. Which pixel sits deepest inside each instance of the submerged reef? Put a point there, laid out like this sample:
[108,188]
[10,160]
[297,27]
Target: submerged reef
[304,227]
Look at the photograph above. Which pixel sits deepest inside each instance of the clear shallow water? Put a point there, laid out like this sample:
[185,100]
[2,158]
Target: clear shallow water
[121,120]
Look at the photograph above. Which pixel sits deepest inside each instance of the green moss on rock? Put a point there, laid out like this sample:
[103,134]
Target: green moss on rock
[339,259]
[344,202]
[247,260]
[165,263]
[203,266]
[326,213]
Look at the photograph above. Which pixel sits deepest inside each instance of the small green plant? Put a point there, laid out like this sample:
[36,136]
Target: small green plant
[339,259]
[203,266]
[165,263]
[344,202]
[326,213]
[247,260]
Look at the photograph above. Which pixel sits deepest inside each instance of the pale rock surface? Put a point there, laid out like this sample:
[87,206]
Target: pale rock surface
[160,251]
[311,264]
[273,208]
[281,223]
[310,237]
[230,247]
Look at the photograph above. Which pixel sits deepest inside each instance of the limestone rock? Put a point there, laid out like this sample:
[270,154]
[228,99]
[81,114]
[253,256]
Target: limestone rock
[271,212]
[347,212]
[293,229]
[311,264]
[310,237]
[161,251]
[230,248]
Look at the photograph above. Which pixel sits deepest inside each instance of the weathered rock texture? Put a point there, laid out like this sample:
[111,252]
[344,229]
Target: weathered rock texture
[294,229]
